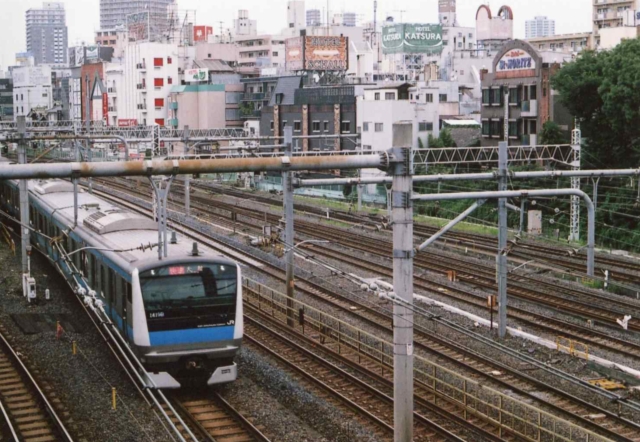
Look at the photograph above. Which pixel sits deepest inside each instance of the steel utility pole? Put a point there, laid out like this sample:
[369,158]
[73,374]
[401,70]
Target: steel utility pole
[502,241]
[403,252]
[23,187]
[576,139]
[287,189]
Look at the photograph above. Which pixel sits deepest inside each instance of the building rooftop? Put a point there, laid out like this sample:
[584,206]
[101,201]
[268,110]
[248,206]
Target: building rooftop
[212,65]
[285,89]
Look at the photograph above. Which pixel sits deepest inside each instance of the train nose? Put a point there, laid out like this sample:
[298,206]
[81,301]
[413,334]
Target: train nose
[194,364]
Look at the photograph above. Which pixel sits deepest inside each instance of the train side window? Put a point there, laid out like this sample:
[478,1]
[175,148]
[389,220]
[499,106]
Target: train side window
[111,293]
[103,281]
[119,286]
[92,273]
[83,262]
[128,287]
[98,282]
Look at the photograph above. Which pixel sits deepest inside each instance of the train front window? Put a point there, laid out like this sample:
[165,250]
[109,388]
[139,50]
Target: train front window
[201,294]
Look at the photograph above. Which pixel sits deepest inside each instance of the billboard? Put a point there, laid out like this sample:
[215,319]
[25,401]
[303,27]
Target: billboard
[138,26]
[31,76]
[294,54]
[412,39]
[79,55]
[515,60]
[202,33]
[196,75]
[317,53]
[23,57]
[92,53]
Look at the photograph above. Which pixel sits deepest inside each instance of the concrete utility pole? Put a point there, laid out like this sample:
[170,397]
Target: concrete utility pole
[287,189]
[502,241]
[24,195]
[403,252]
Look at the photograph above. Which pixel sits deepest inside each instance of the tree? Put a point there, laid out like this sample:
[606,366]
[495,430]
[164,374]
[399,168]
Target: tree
[551,134]
[602,90]
[446,139]
[434,142]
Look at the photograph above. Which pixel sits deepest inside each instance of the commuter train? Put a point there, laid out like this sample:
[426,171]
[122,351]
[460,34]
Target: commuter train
[181,316]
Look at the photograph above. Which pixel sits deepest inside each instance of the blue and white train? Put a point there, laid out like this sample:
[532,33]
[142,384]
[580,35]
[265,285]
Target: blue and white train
[181,316]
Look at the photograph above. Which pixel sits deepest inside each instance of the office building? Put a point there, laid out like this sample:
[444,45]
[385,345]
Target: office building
[243,26]
[47,37]
[447,12]
[314,17]
[114,13]
[539,27]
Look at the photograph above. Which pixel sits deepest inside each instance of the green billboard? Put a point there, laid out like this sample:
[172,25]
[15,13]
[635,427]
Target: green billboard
[412,39]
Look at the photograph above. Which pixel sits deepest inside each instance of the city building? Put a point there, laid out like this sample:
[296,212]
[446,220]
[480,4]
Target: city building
[214,102]
[314,17]
[311,111]
[31,90]
[447,13]
[296,15]
[113,13]
[243,26]
[117,39]
[567,43]
[260,51]
[257,95]
[613,14]
[150,71]
[539,27]
[6,99]
[524,73]
[47,37]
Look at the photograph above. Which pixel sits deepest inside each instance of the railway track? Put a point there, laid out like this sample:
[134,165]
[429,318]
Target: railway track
[27,412]
[214,418]
[614,426]
[573,304]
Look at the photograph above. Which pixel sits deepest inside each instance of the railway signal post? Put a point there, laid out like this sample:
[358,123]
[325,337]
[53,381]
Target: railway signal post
[403,252]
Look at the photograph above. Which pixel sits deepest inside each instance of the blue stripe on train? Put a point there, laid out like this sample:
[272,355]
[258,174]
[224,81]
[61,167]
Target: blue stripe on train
[191,336]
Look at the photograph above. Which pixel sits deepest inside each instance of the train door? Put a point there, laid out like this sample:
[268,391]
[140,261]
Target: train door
[124,291]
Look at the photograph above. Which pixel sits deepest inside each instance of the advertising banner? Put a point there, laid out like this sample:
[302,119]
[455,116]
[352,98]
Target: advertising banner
[326,53]
[105,108]
[202,33]
[138,26]
[92,53]
[196,75]
[131,122]
[515,60]
[32,76]
[412,39]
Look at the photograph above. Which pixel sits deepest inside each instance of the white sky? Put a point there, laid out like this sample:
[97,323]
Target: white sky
[83,15]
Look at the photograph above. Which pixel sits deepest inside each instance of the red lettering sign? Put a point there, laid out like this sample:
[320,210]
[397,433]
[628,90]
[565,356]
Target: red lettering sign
[105,108]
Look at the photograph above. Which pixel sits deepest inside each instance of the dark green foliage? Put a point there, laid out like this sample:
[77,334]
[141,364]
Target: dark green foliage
[603,90]
[446,139]
[552,134]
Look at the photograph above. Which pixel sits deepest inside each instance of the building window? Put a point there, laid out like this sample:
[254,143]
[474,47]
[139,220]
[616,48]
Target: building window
[274,54]
[233,97]
[389,96]
[365,127]
[345,127]
[169,60]
[379,127]
[297,126]
[486,97]
[377,96]
[443,98]
[271,126]
[315,126]
[169,80]
[486,128]
[496,97]
[232,114]
[366,147]
[160,121]
[425,127]
[158,82]
[158,62]
[159,102]
[284,124]
[326,125]
[496,128]
[428,98]
[513,128]
[533,92]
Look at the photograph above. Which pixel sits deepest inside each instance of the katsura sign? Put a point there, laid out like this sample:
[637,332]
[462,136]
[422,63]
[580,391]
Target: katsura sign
[515,60]
[412,39]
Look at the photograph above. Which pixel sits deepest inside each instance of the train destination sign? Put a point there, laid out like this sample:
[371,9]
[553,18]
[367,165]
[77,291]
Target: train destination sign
[515,60]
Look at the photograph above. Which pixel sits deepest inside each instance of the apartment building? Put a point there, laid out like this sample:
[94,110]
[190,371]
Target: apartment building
[47,37]
[260,51]
[113,13]
[31,89]
[612,13]
[539,27]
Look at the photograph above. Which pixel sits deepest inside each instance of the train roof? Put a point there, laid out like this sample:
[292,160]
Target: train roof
[107,226]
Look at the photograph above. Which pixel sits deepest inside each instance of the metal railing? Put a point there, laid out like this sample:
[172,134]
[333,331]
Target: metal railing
[510,414]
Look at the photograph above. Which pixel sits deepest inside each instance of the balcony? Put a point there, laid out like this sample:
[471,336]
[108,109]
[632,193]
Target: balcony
[111,90]
[261,96]
[529,108]
[141,66]
[112,109]
[141,86]
[142,107]
[173,122]
[173,105]
[251,115]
